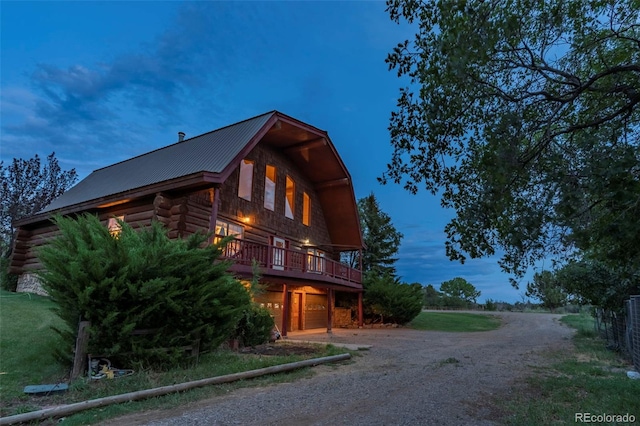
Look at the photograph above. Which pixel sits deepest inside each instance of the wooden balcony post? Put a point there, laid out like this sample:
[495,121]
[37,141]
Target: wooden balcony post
[330,311]
[285,311]
[360,318]
[215,202]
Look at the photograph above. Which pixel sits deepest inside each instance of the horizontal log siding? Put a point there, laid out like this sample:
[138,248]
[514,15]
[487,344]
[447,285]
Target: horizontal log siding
[198,213]
[266,222]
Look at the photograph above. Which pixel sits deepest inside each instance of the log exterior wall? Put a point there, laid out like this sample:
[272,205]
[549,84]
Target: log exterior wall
[186,212]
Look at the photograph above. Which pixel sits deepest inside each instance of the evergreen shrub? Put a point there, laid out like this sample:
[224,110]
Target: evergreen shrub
[8,281]
[176,290]
[390,300]
[255,326]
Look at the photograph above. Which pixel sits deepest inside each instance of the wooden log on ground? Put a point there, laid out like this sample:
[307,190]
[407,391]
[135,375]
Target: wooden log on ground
[66,410]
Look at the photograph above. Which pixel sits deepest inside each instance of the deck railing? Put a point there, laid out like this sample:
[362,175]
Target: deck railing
[281,260]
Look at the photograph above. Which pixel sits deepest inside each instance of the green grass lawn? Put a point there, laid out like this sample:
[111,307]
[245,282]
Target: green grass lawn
[26,343]
[590,379]
[26,358]
[454,321]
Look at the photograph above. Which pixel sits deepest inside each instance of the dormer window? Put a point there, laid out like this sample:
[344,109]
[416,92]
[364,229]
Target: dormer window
[246,179]
[290,195]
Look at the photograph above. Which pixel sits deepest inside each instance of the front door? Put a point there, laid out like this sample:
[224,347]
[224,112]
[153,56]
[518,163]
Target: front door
[279,253]
[296,311]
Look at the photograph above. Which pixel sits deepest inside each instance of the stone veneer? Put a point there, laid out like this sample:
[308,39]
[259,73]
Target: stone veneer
[30,283]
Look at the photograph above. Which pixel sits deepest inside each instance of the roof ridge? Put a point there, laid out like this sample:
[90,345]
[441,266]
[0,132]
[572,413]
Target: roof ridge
[193,137]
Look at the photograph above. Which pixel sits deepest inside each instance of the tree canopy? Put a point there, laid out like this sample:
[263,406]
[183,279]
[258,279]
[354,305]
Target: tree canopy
[546,288]
[26,187]
[524,116]
[459,288]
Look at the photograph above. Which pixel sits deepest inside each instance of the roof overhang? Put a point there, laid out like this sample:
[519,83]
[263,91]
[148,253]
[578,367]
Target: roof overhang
[196,180]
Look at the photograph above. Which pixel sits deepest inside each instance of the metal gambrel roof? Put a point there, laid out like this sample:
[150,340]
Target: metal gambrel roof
[210,152]
[208,159]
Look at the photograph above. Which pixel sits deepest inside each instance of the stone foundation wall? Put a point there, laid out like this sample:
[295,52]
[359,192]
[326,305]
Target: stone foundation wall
[30,283]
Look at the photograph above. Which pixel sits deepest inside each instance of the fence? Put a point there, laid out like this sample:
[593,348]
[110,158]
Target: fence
[622,330]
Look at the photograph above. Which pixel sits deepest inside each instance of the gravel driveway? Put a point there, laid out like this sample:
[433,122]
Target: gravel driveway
[408,377]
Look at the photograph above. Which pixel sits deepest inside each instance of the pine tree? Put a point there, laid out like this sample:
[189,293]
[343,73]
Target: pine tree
[381,238]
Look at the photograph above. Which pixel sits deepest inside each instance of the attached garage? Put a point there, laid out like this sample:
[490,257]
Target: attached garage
[315,311]
[273,302]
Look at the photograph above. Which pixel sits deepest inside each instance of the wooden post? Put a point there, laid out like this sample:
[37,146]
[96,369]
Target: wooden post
[329,310]
[285,311]
[215,205]
[360,318]
[80,357]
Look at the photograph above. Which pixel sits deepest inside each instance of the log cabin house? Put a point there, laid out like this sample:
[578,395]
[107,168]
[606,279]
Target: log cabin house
[275,183]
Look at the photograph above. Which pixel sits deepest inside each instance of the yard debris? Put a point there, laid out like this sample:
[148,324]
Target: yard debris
[634,375]
[46,389]
[101,368]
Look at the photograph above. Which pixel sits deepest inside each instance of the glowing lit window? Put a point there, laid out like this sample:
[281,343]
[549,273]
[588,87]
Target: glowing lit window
[114,225]
[290,195]
[306,209]
[224,229]
[270,188]
[246,179]
[315,260]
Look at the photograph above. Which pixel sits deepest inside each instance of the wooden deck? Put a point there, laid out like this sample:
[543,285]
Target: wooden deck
[289,263]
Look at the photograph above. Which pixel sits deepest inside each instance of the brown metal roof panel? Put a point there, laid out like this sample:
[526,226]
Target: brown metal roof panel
[210,152]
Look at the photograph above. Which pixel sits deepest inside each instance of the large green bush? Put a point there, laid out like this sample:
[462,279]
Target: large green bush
[176,290]
[387,299]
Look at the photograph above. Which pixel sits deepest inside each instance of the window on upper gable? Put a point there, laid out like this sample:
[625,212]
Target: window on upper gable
[290,195]
[246,179]
[270,188]
[306,209]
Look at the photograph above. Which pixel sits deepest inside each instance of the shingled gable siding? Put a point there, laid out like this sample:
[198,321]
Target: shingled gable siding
[265,222]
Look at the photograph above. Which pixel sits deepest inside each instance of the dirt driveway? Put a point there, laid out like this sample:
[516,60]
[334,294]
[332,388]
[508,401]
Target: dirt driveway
[408,377]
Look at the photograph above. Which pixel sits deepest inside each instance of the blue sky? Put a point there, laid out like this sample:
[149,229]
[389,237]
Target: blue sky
[99,82]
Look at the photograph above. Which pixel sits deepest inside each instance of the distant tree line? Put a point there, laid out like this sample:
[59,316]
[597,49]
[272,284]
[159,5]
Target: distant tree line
[457,293]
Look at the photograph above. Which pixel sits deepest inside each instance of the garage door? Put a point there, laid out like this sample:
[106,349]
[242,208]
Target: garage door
[273,302]
[315,311]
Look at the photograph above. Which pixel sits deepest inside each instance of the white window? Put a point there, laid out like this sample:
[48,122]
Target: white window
[114,226]
[290,195]
[224,229]
[246,179]
[270,188]
[315,260]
